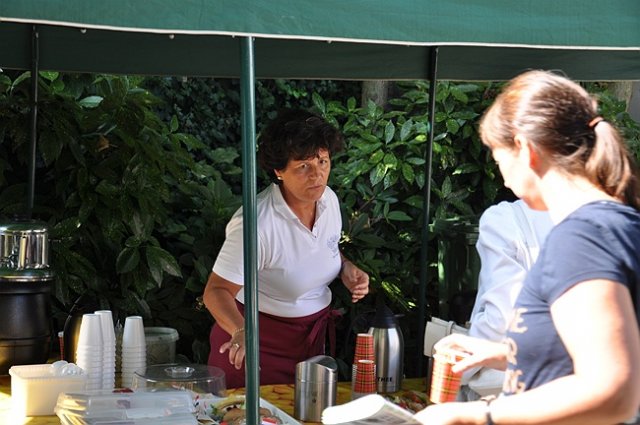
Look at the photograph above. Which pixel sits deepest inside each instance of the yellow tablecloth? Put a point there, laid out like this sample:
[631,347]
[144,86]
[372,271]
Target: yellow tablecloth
[280,396]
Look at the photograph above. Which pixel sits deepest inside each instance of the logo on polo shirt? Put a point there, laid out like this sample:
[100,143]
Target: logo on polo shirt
[332,244]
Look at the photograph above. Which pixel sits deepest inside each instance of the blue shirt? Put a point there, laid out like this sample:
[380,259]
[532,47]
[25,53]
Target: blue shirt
[600,240]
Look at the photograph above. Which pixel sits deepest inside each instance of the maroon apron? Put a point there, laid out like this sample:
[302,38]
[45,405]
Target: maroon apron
[284,342]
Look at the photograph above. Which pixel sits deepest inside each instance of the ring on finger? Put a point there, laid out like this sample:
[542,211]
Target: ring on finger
[235,345]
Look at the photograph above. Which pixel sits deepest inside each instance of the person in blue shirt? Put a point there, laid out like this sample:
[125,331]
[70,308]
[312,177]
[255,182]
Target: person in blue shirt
[510,236]
[572,349]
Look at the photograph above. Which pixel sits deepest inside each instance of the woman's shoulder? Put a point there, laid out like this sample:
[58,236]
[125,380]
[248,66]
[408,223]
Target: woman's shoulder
[501,214]
[604,215]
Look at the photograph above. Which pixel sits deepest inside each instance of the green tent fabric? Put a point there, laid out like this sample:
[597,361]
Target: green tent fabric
[357,39]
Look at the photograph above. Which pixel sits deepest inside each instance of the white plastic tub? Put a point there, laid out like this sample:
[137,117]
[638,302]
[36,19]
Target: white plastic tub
[161,345]
[34,389]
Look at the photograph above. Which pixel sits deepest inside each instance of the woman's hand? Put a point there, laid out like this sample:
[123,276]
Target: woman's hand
[236,348]
[482,352]
[219,297]
[355,279]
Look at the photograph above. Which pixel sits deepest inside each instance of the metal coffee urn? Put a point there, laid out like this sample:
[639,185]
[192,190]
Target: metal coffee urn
[316,387]
[388,346]
[25,290]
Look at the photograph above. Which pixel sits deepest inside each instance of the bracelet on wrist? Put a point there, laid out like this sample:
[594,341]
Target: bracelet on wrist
[237,331]
[488,400]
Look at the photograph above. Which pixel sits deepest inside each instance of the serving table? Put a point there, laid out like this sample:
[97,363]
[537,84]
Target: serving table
[280,396]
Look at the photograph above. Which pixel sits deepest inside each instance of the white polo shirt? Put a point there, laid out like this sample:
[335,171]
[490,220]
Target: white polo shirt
[295,264]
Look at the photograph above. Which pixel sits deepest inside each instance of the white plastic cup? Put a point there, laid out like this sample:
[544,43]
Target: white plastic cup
[133,350]
[108,332]
[109,346]
[131,367]
[133,333]
[83,361]
[90,331]
[88,354]
[133,360]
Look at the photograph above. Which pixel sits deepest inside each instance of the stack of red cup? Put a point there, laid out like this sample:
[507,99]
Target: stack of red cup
[364,381]
[364,352]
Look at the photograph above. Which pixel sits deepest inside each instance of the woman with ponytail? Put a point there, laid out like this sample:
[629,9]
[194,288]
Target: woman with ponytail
[572,352]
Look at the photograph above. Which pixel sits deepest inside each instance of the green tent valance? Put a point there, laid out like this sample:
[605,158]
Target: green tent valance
[358,39]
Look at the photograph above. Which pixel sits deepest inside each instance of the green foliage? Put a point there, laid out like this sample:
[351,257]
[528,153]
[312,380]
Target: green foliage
[134,207]
[614,111]
[381,177]
[209,108]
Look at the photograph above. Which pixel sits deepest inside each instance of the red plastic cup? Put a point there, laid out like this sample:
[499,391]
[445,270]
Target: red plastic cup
[364,348]
[444,383]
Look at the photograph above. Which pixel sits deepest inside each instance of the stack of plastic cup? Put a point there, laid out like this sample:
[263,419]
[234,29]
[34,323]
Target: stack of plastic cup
[365,379]
[89,350]
[109,350]
[134,349]
[364,351]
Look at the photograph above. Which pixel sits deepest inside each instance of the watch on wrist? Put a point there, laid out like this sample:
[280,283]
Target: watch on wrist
[488,400]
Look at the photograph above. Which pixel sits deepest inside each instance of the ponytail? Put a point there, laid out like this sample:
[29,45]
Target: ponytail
[611,167]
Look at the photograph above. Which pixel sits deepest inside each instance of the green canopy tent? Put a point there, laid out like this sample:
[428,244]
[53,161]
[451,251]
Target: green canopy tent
[329,39]
[358,39]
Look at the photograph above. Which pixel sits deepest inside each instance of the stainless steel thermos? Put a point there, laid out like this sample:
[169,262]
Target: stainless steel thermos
[388,345]
[316,387]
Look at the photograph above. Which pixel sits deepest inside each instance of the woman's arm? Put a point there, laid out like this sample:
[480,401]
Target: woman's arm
[355,279]
[597,324]
[219,297]
[501,272]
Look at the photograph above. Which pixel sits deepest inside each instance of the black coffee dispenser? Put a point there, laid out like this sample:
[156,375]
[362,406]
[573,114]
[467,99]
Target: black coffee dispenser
[25,291]
[85,304]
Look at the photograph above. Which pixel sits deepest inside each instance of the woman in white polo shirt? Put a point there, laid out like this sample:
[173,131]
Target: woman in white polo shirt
[299,226]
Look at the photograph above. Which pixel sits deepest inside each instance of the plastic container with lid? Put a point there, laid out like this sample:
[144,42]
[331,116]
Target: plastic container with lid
[201,379]
[161,345]
[35,389]
[112,407]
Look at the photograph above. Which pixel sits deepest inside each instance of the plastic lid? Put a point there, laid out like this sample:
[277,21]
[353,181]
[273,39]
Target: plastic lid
[155,334]
[195,377]
[112,405]
[384,317]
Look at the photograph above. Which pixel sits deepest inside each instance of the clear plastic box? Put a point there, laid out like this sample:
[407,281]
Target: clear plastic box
[161,345]
[134,408]
[34,389]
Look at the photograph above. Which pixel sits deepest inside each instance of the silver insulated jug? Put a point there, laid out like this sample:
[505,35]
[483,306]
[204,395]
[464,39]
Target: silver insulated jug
[316,387]
[388,346]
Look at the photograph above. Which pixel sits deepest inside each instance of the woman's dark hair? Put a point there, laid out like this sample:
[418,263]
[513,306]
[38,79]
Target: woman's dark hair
[561,120]
[295,134]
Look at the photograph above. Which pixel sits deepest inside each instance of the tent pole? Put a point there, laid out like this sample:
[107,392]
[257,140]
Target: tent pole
[35,68]
[249,217]
[424,265]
